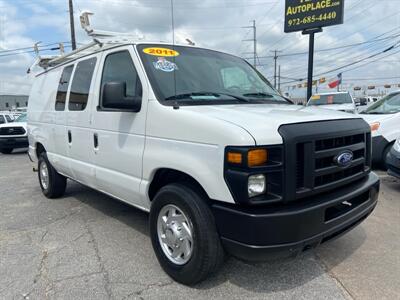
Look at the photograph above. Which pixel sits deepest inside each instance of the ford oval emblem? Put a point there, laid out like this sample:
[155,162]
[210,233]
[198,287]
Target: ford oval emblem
[344,159]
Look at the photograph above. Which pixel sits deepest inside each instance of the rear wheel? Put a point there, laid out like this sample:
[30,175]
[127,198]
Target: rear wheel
[184,235]
[52,183]
[6,150]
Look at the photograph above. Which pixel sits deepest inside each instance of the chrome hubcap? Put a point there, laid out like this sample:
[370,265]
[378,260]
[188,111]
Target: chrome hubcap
[44,175]
[175,234]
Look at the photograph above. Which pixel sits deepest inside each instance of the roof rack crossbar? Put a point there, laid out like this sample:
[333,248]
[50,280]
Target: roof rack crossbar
[64,57]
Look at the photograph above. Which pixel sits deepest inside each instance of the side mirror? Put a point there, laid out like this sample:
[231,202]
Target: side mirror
[114,97]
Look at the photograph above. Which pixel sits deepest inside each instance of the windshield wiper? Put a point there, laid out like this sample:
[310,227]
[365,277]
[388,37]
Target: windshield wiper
[373,113]
[205,94]
[259,95]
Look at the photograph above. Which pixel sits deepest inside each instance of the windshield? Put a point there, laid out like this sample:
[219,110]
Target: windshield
[387,105]
[327,99]
[21,118]
[194,76]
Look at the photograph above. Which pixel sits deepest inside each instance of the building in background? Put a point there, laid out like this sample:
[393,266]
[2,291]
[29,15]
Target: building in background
[9,102]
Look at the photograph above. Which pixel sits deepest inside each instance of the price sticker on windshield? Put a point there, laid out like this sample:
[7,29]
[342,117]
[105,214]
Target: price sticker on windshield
[161,52]
[316,97]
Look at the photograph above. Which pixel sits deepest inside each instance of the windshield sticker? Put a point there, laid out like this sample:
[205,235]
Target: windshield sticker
[165,52]
[316,97]
[163,64]
[330,100]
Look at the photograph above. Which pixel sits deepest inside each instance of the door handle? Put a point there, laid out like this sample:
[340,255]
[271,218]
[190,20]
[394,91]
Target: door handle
[96,141]
[69,137]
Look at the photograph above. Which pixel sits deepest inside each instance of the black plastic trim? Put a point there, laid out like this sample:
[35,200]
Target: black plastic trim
[14,142]
[305,135]
[236,176]
[255,233]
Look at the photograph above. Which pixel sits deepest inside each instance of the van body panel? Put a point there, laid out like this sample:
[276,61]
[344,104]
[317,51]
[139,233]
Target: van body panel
[121,139]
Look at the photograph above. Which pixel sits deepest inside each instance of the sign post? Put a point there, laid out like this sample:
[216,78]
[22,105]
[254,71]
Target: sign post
[309,16]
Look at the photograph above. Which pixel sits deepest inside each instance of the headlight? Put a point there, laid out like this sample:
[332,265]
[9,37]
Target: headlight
[375,126]
[256,185]
[396,146]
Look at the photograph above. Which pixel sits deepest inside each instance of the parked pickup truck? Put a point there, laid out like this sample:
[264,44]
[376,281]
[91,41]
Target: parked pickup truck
[13,135]
[203,142]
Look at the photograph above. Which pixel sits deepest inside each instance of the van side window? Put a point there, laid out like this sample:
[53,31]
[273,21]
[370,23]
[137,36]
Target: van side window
[9,120]
[81,84]
[2,120]
[63,88]
[119,67]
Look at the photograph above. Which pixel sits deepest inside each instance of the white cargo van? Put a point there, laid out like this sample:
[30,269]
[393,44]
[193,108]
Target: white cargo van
[202,141]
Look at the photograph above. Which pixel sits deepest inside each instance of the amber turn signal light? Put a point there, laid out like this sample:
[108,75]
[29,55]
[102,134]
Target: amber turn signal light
[375,126]
[257,157]
[234,158]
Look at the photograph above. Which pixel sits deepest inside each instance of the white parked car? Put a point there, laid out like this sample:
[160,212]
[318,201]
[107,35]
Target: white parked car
[341,101]
[13,135]
[6,117]
[198,138]
[384,119]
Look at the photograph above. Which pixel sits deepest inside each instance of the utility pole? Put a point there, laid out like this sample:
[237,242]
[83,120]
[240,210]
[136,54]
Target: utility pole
[275,64]
[279,78]
[254,40]
[71,23]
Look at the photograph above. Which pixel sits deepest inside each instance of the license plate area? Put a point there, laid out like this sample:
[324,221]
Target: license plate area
[344,207]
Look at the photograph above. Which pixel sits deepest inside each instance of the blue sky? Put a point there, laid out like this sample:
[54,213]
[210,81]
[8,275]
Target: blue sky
[210,23]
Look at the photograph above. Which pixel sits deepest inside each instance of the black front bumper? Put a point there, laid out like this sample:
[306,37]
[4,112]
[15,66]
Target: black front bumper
[393,163]
[13,142]
[259,233]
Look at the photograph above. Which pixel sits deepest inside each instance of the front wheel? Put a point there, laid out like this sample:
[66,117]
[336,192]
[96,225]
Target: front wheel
[52,183]
[184,235]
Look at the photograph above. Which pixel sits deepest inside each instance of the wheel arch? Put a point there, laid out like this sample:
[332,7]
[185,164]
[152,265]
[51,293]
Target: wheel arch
[165,176]
[39,149]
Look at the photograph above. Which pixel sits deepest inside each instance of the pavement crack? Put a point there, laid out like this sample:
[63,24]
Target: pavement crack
[148,287]
[346,292]
[43,236]
[103,270]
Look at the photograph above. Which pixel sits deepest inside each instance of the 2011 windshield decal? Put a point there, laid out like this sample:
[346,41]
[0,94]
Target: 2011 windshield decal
[165,65]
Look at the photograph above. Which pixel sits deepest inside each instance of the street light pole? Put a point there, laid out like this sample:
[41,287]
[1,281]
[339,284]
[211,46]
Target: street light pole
[71,23]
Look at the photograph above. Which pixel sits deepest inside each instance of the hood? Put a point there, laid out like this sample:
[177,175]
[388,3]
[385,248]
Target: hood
[375,118]
[348,106]
[14,124]
[262,121]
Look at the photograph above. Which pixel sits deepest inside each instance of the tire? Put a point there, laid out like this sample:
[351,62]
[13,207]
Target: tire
[55,185]
[6,150]
[207,254]
[385,155]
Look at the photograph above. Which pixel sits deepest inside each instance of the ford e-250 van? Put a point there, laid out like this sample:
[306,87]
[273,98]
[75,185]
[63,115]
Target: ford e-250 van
[203,142]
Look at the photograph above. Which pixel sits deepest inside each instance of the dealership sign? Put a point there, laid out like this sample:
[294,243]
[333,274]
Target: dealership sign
[307,14]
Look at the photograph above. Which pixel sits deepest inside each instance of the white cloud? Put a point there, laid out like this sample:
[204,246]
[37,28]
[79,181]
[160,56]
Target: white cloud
[210,23]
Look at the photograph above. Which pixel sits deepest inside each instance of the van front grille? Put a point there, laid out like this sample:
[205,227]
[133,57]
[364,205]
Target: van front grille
[312,151]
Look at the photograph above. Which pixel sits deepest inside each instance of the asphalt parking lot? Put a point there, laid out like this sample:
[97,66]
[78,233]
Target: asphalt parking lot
[89,246]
